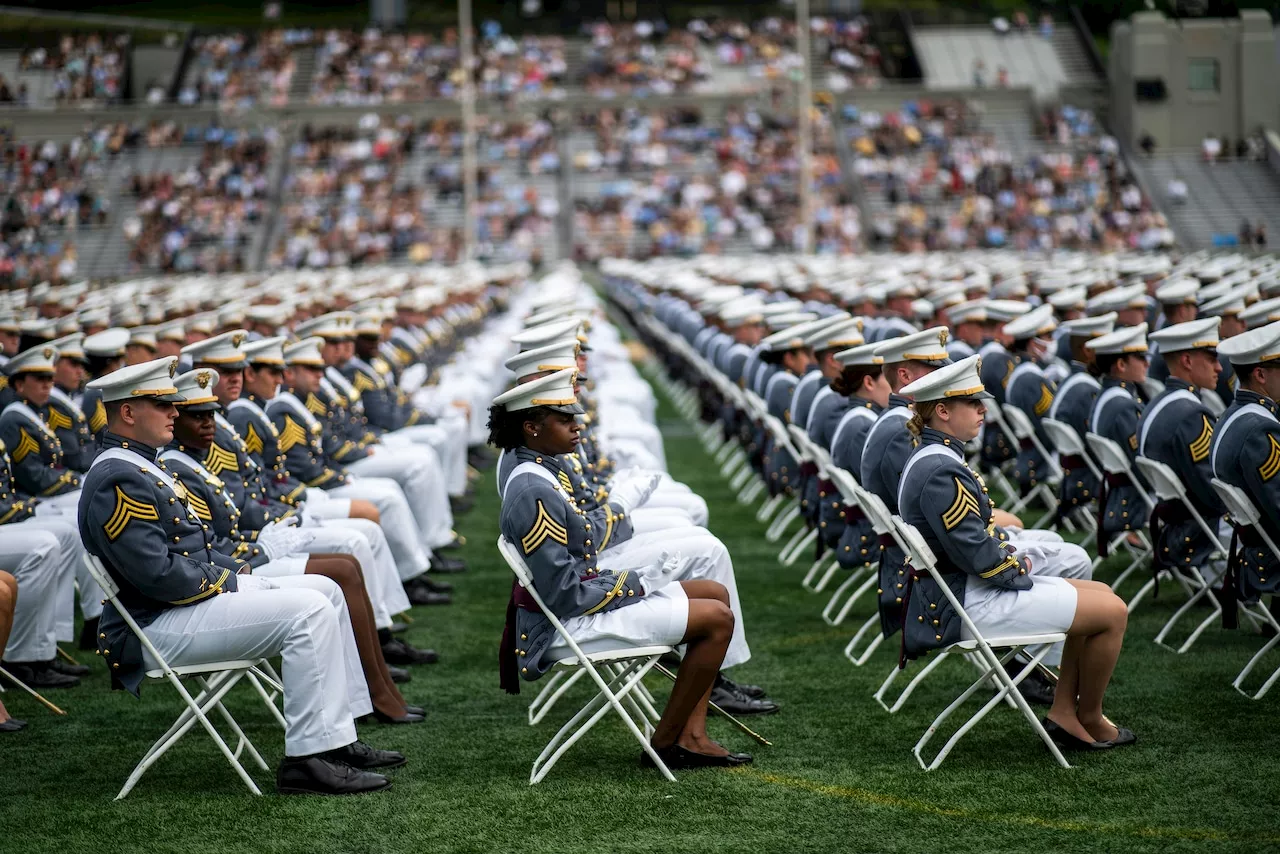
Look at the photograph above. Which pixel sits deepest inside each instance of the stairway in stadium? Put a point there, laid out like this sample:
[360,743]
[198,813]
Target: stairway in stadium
[1220,196]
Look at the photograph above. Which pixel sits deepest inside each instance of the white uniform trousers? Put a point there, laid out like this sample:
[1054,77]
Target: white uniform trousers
[702,556]
[650,520]
[304,620]
[450,447]
[1052,557]
[325,505]
[398,524]
[35,557]
[364,541]
[60,520]
[673,495]
[417,471]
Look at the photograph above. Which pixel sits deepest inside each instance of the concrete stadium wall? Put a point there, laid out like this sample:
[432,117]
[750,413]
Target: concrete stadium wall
[1151,47]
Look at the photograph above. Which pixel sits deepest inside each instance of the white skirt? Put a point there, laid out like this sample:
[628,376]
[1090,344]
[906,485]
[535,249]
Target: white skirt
[659,618]
[1048,606]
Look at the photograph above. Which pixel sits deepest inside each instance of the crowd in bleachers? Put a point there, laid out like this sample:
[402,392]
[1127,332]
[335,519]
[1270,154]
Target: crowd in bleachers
[87,69]
[948,183]
[242,70]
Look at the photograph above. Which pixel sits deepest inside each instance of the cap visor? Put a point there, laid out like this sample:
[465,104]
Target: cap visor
[210,406]
[570,409]
[983,395]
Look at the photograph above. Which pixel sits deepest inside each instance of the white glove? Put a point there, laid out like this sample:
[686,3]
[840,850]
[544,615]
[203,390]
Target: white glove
[634,493]
[307,519]
[669,564]
[278,542]
[279,525]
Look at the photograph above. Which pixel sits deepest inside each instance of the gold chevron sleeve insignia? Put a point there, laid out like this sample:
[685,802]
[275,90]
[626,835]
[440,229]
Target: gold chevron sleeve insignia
[1008,372]
[544,527]
[291,435]
[362,383]
[219,459]
[199,506]
[1268,469]
[1200,447]
[252,441]
[316,406]
[4,382]
[1045,401]
[58,420]
[964,504]
[98,418]
[565,482]
[128,509]
[25,446]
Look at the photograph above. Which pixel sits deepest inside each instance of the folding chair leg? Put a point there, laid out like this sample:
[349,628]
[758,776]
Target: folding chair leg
[803,539]
[766,511]
[1187,606]
[752,492]
[871,580]
[724,452]
[911,686]
[832,568]
[243,740]
[740,478]
[270,699]
[817,567]
[859,659]
[549,696]
[1248,668]
[780,524]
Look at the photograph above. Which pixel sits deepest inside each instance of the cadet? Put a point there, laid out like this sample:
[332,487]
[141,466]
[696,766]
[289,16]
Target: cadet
[537,422]
[1029,390]
[64,415]
[1177,430]
[1005,589]
[863,383]
[172,592]
[38,465]
[1120,358]
[1072,405]
[1246,453]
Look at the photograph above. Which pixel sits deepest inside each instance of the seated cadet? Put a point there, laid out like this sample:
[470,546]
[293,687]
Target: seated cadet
[1120,358]
[1029,390]
[197,605]
[997,366]
[830,403]
[537,421]
[1005,589]
[351,444]
[1246,454]
[818,375]
[8,601]
[277,549]
[142,344]
[787,352]
[290,412]
[64,416]
[863,383]
[1072,405]
[103,353]
[1177,430]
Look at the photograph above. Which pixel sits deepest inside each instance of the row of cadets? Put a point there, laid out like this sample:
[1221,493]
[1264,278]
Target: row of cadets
[1028,389]
[689,552]
[1073,403]
[283,535]
[196,604]
[1005,588]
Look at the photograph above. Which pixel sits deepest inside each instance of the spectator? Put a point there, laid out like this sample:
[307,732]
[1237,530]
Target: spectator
[1177,191]
[1210,148]
[1260,235]
[1148,144]
[1246,234]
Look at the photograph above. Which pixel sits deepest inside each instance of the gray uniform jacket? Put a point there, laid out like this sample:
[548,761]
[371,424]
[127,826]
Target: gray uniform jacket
[153,546]
[1072,406]
[39,467]
[1246,454]
[559,546]
[1115,417]
[72,429]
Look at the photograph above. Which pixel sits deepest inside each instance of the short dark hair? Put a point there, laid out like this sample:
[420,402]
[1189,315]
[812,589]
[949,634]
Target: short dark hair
[850,380]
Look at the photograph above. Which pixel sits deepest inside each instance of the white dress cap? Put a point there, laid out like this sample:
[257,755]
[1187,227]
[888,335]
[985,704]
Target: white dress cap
[1128,339]
[223,350]
[1035,323]
[1253,347]
[929,346]
[555,356]
[959,380]
[148,379]
[554,390]
[1193,335]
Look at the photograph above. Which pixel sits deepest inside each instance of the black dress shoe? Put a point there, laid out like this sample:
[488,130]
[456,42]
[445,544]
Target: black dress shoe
[318,775]
[460,505]
[415,710]
[13,725]
[419,595]
[435,586]
[398,628]
[40,674]
[447,565]
[1070,743]
[383,718]
[399,675]
[677,758]
[89,634]
[453,545]
[1037,690]
[736,703]
[66,668]
[747,690]
[357,754]
[1124,736]
[396,651]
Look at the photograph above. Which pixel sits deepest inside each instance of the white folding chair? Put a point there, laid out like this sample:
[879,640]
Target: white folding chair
[1213,401]
[1069,444]
[982,649]
[997,475]
[834,614]
[823,568]
[627,666]
[1169,487]
[1024,431]
[1115,462]
[215,680]
[1246,515]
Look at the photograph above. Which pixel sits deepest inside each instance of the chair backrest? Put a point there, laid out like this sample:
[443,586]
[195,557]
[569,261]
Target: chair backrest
[101,577]
[1112,457]
[800,440]
[111,590]
[1213,401]
[1153,388]
[1237,503]
[1016,419]
[1164,482]
[1064,437]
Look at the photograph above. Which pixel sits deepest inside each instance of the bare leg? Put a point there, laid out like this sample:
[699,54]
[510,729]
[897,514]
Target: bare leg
[684,720]
[361,509]
[346,572]
[1088,660]
[8,599]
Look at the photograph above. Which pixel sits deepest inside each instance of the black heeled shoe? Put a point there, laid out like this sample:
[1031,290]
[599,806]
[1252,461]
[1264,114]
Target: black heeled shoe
[13,725]
[384,718]
[677,758]
[1067,741]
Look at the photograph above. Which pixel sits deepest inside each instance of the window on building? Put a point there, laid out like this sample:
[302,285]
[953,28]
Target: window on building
[1202,75]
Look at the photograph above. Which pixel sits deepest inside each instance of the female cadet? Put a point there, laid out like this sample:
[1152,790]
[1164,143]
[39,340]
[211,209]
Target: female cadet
[537,421]
[1004,588]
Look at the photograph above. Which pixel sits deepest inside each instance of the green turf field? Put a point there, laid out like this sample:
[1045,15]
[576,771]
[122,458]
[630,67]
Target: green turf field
[840,777]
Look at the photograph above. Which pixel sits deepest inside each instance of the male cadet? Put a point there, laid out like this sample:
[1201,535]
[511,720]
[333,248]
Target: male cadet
[171,337]
[416,471]
[997,366]
[1246,453]
[142,345]
[787,352]
[64,416]
[966,320]
[1028,390]
[829,405]
[1231,307]
[103,353]
[10,336]
[195,604]
[816,376]
[1073,404]
[1120,358]
[1177,430]
[248,536]
[291,430]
